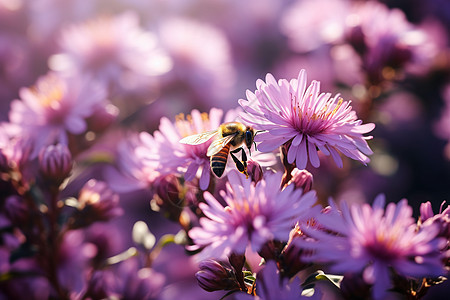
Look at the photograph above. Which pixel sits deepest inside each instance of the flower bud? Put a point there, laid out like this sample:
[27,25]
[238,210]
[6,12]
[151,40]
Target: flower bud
[16,210]
[96,203]
[169,196]
[426,211]
[353,286]
[254,170]
[214,276]
[301,179]
[103,116]
[237,261]
[55,163]
[100,285]
[271,250]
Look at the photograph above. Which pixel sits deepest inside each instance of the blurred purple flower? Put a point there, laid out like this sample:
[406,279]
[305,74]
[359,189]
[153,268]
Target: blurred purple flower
[201,57]
[14,149]
[310,24]
[137,283]
[254,215]
[73,261]
[54,106]
[174,157]
[15,63]
[137,162]
[371,240]
[292,112]
[98,202]
[386,40]
[16,210]
[47,17]
[112,49]
[442,221]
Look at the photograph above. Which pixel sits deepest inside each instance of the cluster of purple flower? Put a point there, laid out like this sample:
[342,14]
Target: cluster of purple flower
[100,200]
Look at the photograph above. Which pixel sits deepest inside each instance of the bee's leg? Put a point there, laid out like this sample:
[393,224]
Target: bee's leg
[242,166]
[238,163]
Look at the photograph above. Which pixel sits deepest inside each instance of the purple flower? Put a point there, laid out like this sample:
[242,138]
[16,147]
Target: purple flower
[174,157]
[254,215]
[54,106]
[14,149]
[112,49]
[311,24]
[370,240]
[73,261]
[441,220]
[202,59]
[138,283]
[96,202]
[292,112]
[137,161]
[387,41]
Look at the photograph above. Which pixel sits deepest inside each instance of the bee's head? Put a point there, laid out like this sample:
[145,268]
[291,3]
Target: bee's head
[248,137]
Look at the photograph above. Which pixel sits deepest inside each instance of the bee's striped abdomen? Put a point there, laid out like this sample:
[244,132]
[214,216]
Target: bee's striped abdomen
[219,160]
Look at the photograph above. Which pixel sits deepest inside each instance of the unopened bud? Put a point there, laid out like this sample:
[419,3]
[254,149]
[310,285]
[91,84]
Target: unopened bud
[237,261]
[99,285]
[55,163]
[16,210]
[254,170]
[301,179]
[103,117]
[214,276]
[271,250]
[169,196]
[426,211]
[353,286]
[96,203]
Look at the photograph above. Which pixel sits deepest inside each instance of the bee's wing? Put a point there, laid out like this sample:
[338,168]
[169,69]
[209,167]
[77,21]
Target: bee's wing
[218,144]
[197,139]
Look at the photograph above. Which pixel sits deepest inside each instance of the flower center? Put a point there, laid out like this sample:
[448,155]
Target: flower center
[50,92]
[186,126]
[313,113]
[383,247]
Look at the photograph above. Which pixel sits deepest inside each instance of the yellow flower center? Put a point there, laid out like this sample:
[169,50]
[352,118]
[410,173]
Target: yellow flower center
[49,91]
[185,124]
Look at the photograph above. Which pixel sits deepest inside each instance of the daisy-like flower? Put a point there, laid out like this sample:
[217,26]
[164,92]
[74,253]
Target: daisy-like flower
[371,240]
[137,162]
[176,158]
[114,50]
[291,112]
[202,59]
[255,214]
[387,41]
[54,106]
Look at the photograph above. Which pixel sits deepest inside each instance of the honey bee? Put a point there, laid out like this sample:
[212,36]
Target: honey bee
[230,137]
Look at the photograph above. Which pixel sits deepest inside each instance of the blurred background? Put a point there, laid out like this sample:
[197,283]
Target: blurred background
[164,57]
